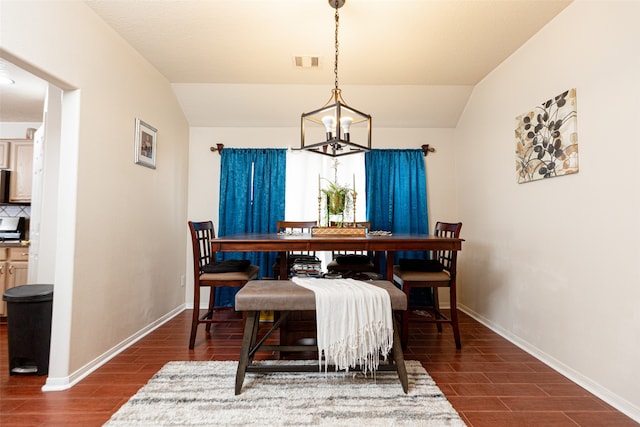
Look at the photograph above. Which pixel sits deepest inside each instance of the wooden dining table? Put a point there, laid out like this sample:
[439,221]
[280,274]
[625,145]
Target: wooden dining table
[283,243]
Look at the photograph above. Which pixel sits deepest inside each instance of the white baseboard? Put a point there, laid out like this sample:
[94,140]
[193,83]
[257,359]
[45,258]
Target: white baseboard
[64,383]
[598,390]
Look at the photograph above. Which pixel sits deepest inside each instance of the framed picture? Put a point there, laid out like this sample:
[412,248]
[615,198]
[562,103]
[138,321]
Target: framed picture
[547,139]
[145,144]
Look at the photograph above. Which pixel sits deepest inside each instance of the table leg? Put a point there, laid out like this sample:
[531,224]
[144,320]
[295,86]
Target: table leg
[389,264]
[284,266]
[376,260]
[248,340]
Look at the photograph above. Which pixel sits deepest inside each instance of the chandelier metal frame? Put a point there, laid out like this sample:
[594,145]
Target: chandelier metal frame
[346,129]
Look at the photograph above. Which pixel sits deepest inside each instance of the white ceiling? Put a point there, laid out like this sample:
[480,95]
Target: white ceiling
[22,101]
[406,62]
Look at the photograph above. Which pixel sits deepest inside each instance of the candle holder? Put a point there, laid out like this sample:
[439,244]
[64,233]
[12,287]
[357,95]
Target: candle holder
[354,196]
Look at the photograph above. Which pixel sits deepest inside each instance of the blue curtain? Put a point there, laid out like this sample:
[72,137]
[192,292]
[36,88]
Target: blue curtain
[252,194]
[396,188]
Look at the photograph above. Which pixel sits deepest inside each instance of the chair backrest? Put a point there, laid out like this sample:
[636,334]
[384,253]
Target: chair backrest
[201,235]
[303,227]
[448,258]
[296,226]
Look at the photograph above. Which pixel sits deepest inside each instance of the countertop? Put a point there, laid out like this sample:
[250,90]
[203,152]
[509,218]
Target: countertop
[14,244]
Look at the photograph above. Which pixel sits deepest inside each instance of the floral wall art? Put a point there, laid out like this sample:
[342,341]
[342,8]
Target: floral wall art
[547,139]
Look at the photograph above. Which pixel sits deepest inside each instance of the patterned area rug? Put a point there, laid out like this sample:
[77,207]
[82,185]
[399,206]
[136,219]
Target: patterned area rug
[202,393]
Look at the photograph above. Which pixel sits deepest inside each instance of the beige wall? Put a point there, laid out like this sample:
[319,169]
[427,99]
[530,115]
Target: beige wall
[553,264]
[122,266]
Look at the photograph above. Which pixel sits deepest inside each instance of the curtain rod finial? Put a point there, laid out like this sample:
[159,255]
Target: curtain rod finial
[426,149]
[217,148]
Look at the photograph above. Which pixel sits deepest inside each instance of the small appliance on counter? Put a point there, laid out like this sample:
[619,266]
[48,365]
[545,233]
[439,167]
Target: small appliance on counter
[11,228]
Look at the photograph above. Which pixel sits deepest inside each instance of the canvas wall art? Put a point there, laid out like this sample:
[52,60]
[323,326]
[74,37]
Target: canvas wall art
[547,139]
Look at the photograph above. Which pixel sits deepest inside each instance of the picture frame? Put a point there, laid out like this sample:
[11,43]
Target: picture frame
[547,139]
[145,144]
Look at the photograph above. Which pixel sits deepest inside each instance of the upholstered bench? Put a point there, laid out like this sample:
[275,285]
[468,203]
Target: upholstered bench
[284,296]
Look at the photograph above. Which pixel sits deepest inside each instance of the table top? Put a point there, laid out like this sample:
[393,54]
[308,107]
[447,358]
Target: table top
[301,242]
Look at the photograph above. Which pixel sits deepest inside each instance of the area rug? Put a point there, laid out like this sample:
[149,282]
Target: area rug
[202,393]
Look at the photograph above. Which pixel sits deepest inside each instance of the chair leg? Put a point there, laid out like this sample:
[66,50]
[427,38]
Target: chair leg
[436,306]
[212,299]
[454,315]
[196,315]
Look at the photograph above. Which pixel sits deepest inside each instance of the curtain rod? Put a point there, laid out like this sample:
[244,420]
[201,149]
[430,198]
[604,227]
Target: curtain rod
[426,149]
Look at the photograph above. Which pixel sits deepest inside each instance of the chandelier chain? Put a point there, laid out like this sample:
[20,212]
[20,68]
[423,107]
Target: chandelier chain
[335,68]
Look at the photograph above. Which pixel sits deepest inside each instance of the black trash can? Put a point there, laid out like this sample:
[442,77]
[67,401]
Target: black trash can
[29,310]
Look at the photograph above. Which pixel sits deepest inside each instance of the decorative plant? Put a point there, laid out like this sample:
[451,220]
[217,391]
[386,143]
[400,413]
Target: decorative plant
[339,198]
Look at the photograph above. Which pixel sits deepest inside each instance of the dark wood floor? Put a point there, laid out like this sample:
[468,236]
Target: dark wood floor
[491,382]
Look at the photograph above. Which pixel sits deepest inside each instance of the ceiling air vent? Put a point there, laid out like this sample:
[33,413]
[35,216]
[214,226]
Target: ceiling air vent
[306,61]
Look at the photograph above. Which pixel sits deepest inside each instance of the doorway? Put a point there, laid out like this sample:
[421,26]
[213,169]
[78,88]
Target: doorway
[53,210]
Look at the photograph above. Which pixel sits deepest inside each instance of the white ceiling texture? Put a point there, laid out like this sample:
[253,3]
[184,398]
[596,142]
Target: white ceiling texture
[408,63]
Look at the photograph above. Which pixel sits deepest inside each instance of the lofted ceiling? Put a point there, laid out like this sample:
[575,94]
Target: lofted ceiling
[408,63]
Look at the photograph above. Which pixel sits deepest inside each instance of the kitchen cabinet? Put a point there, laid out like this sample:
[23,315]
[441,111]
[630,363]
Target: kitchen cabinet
[17,155]
[21,171]
[14,267]
[4,153]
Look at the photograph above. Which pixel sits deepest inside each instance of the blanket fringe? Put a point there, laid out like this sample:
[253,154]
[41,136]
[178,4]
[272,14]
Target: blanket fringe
[363,350]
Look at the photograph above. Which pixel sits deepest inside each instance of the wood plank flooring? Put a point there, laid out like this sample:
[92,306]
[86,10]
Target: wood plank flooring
[491,382]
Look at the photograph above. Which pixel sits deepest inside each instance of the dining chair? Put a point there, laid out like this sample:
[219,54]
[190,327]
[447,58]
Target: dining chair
[292,227]
[212,274]
[437,272]
[354,262]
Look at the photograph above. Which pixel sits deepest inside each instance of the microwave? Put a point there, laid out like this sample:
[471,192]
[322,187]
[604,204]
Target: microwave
[11,228]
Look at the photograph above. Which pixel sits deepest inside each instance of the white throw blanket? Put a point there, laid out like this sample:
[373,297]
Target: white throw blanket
[354,322]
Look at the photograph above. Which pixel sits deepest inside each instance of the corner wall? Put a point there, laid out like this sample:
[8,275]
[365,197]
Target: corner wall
[553,264]
[119,257]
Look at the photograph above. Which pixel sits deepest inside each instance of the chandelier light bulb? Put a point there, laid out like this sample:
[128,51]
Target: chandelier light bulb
[345,124]
[329,124]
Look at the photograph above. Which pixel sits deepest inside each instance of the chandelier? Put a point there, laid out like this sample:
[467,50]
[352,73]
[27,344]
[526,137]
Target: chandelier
[335,129]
